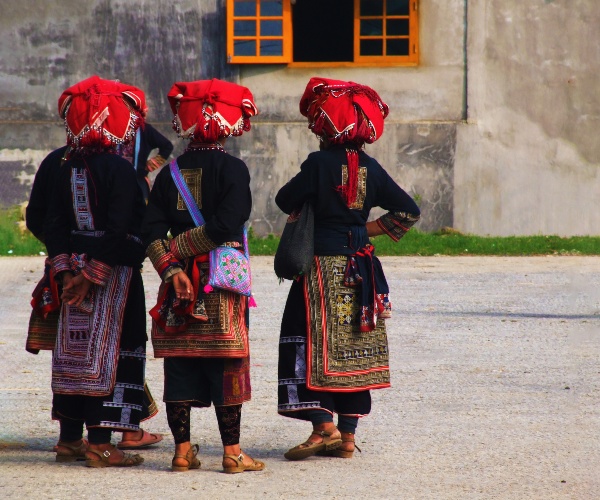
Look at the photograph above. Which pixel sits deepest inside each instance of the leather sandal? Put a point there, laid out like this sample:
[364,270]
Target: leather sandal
[341,453]
[68,453]
[239,466]
[308,448]
[147,439]
[128,459]
[189,457]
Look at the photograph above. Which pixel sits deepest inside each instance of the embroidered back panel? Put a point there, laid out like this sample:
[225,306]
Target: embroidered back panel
[87,346]
[81,204]
[339,356]
[224,335]
[193,178]
[361,189]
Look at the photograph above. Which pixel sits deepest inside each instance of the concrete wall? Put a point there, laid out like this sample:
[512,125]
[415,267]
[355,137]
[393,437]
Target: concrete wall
[525,161]
[528,160]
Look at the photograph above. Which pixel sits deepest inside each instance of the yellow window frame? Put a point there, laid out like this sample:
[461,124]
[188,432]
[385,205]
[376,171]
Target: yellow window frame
[286,36]
[413,37]
[411,59]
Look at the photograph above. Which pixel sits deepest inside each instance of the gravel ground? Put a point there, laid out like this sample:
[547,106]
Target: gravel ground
[495,375]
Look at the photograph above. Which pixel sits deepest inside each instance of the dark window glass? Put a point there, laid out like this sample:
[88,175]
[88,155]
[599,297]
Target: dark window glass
[271,47]
[271,28]
[244,47]
[397,47]
[371,27]
[397,27]
[244,8]
[271,8]
[371,47]
[398,7]
[371,7]
[244,28]
[323,30]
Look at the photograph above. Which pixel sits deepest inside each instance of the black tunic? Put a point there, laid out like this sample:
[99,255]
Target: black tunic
[220,184]
[116,208]
[319,180]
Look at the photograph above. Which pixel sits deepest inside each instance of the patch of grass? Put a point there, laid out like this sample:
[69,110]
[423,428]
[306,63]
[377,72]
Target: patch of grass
[449,242]
[15,241]
[262,246]
[14,238]
[455,243]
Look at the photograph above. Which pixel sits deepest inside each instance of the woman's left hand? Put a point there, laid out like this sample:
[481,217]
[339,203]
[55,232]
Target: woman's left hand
[373,229]
[75,291]
[184,290]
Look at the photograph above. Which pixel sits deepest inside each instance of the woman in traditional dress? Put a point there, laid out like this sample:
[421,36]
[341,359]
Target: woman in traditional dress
[202,335]
[333,344]
[92,236]
[43,323]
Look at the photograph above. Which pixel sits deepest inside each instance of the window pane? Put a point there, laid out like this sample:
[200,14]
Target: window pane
[371,47]
[244,28]
[398,7]
[371,7]
[270,8]
[371,27]
[271,47]
[396,27]
[244,8]
[271,28]
[244,47]
[398,47]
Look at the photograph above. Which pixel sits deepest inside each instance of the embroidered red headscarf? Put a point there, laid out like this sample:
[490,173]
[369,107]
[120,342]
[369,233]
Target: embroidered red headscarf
[101,113]
[207,110]
[344,113]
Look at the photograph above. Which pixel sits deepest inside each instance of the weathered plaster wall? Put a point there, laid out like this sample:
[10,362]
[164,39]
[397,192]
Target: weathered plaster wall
[418,144]
[528,160]
[47,46]
[525,162]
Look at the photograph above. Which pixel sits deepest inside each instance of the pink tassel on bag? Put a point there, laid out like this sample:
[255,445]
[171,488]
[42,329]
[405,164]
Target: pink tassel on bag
[252,302]
[208,289]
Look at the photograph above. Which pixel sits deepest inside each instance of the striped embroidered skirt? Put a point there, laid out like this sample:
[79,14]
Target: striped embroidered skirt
[121,408]
[326,361]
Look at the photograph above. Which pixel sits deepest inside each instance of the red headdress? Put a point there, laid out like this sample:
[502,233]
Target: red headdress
[101,113]
[344,113]
[207,110]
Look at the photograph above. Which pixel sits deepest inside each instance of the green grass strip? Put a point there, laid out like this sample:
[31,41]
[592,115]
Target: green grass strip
[15,241]
[454,243]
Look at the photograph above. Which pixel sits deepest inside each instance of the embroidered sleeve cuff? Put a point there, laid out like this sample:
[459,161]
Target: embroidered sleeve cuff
[155,163]
[397,224]
[191,243]
[97,272]
[162,259]
[61,263]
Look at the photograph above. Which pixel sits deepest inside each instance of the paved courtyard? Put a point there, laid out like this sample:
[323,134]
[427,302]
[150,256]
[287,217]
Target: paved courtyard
[496,395]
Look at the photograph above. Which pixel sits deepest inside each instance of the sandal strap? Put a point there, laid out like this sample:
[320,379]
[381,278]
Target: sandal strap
[103,456]
[239,459]
[189,459]
[321,433]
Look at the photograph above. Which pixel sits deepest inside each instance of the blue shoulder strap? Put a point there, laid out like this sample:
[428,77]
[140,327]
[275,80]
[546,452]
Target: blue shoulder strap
[138,133]
[186,194]
[191,204]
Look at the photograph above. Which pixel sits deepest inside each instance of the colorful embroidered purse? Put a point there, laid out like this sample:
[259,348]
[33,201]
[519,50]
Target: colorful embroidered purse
[228,268]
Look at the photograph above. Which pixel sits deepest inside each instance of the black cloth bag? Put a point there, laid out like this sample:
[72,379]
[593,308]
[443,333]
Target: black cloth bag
[296,247]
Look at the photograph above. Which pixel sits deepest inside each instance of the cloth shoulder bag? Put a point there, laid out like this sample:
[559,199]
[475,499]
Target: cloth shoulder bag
[295,252]
[229,269]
